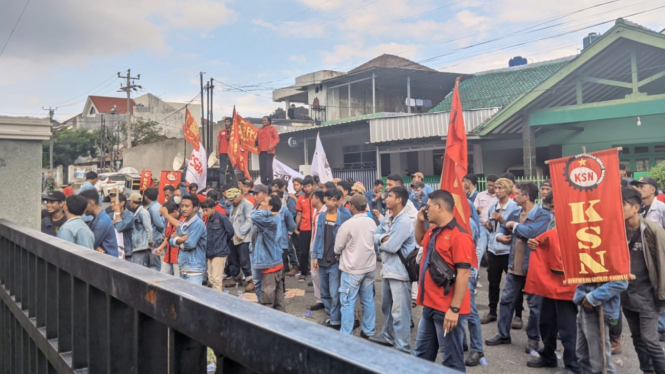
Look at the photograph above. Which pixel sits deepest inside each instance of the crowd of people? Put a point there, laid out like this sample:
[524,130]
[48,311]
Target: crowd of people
[332,235]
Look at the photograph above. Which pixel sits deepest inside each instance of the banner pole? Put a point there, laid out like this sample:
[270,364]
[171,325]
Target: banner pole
[601,318]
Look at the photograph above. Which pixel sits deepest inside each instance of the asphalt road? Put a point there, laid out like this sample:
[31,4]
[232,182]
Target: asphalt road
[501,359]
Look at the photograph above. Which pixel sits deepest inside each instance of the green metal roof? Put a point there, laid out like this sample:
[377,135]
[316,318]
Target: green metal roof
[499,88]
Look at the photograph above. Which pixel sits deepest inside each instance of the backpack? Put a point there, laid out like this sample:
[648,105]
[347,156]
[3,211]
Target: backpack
[411,264]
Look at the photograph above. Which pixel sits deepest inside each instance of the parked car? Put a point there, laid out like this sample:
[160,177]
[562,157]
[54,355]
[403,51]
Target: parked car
[109,181]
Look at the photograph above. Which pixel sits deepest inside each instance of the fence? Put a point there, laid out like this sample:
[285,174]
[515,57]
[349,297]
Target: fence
[68,309]
[435,182]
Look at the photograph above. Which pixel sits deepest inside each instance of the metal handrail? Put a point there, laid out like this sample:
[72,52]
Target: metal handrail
[66,309]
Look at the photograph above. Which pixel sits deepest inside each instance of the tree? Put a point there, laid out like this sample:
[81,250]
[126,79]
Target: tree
[658,173]
[144,132]
[68,145]
[278,113]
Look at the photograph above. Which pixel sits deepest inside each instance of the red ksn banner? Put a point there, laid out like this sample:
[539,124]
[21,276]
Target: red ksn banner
[168,178]
[589,217]
[146,180]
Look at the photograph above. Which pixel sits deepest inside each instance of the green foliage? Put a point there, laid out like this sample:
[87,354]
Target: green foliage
[68,145]
[658,173]
[278,113]
[144,132]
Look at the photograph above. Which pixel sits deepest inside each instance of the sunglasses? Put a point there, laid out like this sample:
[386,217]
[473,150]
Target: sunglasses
[113,195]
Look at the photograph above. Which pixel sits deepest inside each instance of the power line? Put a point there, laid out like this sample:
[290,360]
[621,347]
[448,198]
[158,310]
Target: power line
[14,28]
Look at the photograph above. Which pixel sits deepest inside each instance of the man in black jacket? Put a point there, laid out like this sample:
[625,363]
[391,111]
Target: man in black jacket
[220,234]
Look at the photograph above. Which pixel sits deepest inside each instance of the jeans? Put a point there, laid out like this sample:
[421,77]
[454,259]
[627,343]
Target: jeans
[155,262]
[617,329]
[196,278]
[354,285]
[169,269]
[509,299]
[496,266]
[430,337]
[555,318]
[473,320]
[644,330]
[291,255]
[257,278]
[224,167]
[589,346]
[216,272]
[239,260]
[481,243]
[265,167]
[305,239]
[141,258]
[396,308]
[330,281]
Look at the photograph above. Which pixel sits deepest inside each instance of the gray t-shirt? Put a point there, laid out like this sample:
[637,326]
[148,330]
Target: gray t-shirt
[639,296]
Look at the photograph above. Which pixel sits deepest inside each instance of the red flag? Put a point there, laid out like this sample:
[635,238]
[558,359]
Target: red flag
[146,180]
[589,217]
[455,162]
[241,142]
[168,177]
[191,130]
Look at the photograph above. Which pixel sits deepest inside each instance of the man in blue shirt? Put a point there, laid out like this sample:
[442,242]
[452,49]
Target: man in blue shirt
[75,230]
[158,225]
[375,197]
[91,179]
[101,224]
[192,238]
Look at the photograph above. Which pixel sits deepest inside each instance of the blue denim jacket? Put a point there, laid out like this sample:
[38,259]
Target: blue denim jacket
[102,227]
[158,224]
[192,253]
[494,246]
[267,248]
[536,223]
[142,235]
[291,206]
[606,294]
[241,217]
[343,215]
[378,205]
[75,230]
[401,238]
[412,197]
[288,227]
[227,205]
[126,227]
[220,236]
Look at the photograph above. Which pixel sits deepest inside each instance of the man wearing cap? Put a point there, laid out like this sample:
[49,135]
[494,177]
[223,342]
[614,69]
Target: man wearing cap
[470,182]
[545,189]
[355,246]
[55,202]
[420,177]
[241,218]
[418,195]
[652,208]
[142,238]
[260,195]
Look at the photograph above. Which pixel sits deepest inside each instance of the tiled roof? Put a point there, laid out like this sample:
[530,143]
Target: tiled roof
[499,88]
[390,61]
[105,104]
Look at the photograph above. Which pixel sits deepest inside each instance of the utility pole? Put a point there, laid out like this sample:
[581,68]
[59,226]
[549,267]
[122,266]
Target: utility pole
[208,93]
[101,144]
[51,111]
[202,102]
[128,88]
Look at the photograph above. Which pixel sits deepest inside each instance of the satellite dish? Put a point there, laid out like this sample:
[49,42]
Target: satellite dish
[178,161]
[212,160]
[293,142]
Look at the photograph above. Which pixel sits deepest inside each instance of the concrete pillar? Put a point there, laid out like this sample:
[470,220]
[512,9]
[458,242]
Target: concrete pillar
[287,104]
[396,163]
[21,140]
[529,148]
[478,159]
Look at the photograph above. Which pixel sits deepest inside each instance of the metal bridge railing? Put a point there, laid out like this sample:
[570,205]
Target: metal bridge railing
[67,309]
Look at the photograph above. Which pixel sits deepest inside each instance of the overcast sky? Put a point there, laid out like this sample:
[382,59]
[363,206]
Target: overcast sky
[61,51]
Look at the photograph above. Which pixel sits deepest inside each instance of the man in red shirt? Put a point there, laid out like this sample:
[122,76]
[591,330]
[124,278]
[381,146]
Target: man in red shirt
[441,327]
[223,153]
[268,139]
[304,226]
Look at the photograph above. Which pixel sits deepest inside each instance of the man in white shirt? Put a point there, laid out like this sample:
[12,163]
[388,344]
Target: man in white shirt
[484,201]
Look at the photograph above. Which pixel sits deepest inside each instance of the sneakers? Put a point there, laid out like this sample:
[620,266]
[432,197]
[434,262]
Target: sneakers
[295,270]
[301,278]
[538,362]
[532,345]
[498,340]
[363,335]
[380,339]
[615,345]
[328,324]
[250,286]
[517,323]
[234,283]
[317,306]
[487,318]
[474,358]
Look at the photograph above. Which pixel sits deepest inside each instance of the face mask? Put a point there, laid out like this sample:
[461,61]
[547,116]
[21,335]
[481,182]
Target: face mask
[177,199]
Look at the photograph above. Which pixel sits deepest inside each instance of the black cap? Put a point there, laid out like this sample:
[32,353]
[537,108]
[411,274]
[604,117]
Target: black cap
[55,196]
[646,180]
[260,188]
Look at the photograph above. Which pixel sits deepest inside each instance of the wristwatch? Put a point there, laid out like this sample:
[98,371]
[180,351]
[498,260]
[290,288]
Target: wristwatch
[454,309]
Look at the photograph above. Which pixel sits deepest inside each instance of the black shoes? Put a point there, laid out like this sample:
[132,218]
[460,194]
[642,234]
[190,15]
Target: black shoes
[532,345]
[487,318]
[379,339]
[364,336]
[538,362]
[497,340]
[474,358]
[317,306]
[517,323]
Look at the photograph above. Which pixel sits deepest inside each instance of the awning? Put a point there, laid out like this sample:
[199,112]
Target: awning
[426,125]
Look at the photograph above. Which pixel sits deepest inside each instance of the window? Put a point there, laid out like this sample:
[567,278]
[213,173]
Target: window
[92,111]
[659,148]
[359,156]
[642,164]
[625,151]
[642,149]
[659,160]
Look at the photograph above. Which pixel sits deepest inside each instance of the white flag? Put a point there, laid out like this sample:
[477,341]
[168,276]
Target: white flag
[197,169]
[281,171]
[320,165]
